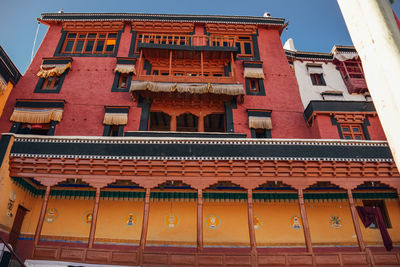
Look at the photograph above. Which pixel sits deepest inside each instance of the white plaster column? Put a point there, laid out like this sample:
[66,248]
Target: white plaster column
[375,35]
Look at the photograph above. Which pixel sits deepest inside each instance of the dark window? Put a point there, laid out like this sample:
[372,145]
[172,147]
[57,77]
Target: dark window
[380,204]
[38,128]
[254,85]
[214,123]
[123,80]
[114,129]
[317,79]
[260,133]
[187,122]
[160,121]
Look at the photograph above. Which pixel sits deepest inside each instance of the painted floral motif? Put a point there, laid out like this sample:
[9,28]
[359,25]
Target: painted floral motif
[295,222]
[213,221]
[257,221]
[335,221]
[88,217]
[131,219]
[171,220]
[51,215]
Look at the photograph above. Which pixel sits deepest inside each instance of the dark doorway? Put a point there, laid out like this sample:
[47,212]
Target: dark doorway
[16,228]
[186,122]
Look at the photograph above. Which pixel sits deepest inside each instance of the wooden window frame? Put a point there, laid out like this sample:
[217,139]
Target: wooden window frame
[98,38]
[108,130]
[256,87]
[51,83]
[117,79]
[351,133]
[260,85]
[317,79]
[55,90]
[242,43]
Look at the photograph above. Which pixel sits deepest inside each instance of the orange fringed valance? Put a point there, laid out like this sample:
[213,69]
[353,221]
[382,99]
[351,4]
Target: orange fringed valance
[126,69]
[115,118]
[256,73]
[193,88]
[51,70]
[36,115]
[260,122]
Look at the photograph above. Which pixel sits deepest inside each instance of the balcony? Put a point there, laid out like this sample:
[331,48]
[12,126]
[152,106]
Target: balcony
[188,42]
[355,85]
[186,79]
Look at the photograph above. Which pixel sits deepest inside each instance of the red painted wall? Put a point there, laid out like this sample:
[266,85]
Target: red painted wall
[281,89]
[87,89]
[375,129]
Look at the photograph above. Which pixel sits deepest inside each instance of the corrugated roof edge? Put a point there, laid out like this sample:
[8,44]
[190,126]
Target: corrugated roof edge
[13,73]
[160,17]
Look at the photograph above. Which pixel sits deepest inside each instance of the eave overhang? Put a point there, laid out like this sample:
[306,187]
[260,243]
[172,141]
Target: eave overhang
[169,148]
[326,106]
[54,17]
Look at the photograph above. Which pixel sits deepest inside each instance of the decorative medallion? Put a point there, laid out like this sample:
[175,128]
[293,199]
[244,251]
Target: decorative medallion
[88,217]
[335,221]
[131,219]
[171,220]
[295,222]
[213,221]
[257,221]
[51,215]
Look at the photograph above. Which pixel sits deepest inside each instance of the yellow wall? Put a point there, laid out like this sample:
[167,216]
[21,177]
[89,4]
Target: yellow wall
[276,229]
[322,233]
[373,236]
[4,97]
[112,225]
[23,198]
[184,231]
[233,229]
[70,222]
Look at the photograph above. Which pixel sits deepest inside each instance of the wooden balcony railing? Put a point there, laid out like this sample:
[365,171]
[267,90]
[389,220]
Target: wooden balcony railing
[186,79]
[188,40]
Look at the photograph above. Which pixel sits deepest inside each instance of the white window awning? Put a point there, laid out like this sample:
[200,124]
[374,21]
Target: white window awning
[193,88]
[260,122]
[48,70]
[257,73]
[115,118]
[26,115]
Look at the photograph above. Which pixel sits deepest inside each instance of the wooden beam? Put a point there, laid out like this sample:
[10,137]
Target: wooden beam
[202,63]
[357,229]
[233,68]
[170,62]
[140,63]
[253,244]
[306,228]
[94,218]
[199,220]
[145,223]
[42,215]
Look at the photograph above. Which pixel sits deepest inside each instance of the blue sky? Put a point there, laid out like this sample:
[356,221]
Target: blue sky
[315,25]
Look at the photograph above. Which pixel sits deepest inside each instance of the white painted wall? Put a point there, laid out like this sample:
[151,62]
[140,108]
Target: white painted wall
[333,80]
